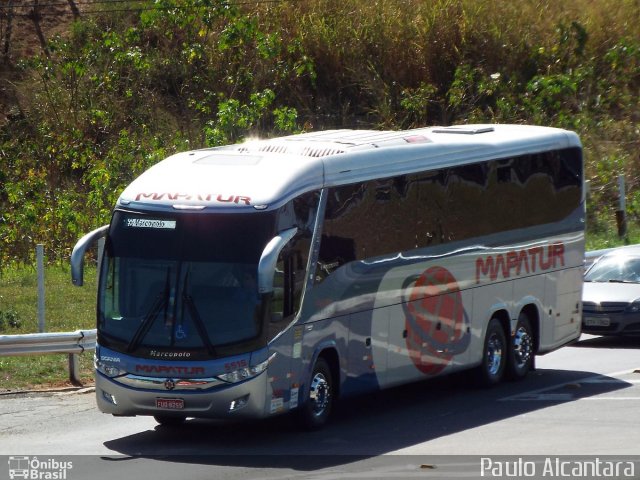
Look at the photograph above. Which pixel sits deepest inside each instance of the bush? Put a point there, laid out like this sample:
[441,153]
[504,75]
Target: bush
[9,319]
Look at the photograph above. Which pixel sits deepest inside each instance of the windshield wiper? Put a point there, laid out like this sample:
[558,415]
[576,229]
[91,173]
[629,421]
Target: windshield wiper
[158,304]
[195,315]
[148,321]
[197,320]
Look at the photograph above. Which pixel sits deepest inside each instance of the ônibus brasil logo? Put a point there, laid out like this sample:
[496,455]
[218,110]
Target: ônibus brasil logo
[38,469]
[436,322]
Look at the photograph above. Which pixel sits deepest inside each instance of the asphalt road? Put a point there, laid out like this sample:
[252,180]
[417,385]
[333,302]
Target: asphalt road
[582,400]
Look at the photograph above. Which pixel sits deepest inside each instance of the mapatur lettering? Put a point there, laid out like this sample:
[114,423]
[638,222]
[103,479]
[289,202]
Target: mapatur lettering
[519,262]
[201,197]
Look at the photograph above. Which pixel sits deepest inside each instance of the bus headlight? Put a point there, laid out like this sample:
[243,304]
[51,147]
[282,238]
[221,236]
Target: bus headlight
[246,373]
[108,370]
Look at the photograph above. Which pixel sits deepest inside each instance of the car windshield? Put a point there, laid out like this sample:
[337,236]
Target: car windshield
[185,282]
[618,268]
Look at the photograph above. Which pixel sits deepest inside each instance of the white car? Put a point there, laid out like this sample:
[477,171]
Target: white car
[611,294]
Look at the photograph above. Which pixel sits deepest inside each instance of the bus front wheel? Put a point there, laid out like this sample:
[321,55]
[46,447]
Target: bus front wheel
[316,408]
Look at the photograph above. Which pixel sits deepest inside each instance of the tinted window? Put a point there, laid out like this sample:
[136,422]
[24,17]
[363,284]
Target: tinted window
[369,219]
[183,281]
[398,214]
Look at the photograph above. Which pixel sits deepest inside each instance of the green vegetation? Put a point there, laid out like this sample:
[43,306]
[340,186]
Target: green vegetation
[118,92]
[67,308]
[42,372]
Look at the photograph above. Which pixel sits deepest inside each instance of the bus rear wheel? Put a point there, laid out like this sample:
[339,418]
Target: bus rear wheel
[169,421]
[314,412]
[494,355]
[521,349]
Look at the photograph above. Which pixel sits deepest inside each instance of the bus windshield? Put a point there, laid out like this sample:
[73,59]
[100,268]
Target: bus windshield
[185,282]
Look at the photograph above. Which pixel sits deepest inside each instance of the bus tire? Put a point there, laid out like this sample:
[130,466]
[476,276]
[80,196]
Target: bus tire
[494,355]
[315,410]
[169,421]
[521,349]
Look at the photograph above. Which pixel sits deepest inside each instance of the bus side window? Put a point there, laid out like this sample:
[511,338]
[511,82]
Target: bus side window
[288,284]
[334,252]
[282,304]
[277,301]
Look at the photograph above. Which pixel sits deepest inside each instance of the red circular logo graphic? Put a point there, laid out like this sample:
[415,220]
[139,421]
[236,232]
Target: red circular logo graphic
[436,323]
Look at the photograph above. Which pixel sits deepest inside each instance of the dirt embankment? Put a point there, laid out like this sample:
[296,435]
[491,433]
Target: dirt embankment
[25,26]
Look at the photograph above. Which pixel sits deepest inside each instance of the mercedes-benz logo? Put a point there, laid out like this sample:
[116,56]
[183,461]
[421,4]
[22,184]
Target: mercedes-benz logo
[169,384]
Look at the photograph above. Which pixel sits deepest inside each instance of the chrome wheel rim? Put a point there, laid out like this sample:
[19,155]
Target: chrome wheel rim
[522,346]
[320,394]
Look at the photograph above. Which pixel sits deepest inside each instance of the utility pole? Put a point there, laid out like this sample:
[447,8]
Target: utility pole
[621,213]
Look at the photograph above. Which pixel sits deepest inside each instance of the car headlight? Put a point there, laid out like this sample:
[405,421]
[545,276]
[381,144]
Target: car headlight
[634,307]
[246,372]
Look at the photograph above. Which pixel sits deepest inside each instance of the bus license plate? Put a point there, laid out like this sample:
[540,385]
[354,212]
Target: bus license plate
[597,321]
[170,403]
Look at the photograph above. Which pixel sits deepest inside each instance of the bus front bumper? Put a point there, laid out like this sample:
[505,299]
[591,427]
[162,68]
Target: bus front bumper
[240,400]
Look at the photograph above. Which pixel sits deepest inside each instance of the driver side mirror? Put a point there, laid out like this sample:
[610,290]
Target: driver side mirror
[269,259]
[77,255]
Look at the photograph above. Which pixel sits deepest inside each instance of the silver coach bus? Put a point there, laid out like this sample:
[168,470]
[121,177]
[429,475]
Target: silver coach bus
[279,275]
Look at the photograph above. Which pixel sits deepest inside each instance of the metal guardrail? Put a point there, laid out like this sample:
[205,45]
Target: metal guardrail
[72,343]
[63,342]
